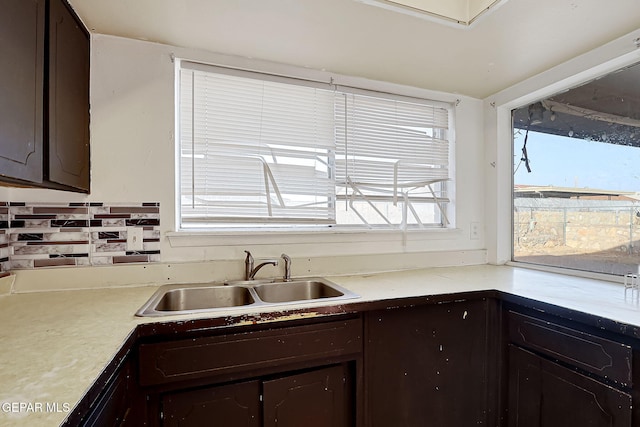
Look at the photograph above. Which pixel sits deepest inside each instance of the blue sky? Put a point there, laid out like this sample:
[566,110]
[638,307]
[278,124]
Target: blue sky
[570,162]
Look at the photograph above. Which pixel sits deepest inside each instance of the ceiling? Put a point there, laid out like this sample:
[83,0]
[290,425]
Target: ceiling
[516,41]
[459,12]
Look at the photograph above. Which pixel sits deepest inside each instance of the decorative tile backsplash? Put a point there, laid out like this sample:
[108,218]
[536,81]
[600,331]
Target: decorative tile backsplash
[34,235]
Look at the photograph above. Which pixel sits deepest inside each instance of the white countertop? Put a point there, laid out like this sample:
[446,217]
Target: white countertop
[56,344]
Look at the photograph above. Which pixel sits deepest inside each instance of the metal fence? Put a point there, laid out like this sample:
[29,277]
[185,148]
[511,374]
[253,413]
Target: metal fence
[582,225]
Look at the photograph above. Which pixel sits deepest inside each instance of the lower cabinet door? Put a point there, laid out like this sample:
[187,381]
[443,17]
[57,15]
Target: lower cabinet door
[426,366]
[222,406]
[114,408]
[319,398]
[545,394]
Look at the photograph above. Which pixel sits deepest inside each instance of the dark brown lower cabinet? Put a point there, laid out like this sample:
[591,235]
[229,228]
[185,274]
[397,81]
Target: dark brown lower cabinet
[464,362]
[118,404]
[318,398]
[225,405]
[305,374]
[545,394]
[428,365]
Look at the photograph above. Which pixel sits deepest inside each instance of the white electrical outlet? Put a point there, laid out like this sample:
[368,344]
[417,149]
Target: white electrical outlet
[134,238]
[474,230]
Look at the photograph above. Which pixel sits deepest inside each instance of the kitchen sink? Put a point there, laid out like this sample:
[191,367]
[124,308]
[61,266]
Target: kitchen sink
[196,298]
[299,290]
[199,298]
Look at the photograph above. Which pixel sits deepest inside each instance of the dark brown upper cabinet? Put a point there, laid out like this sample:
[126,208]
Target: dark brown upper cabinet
[44,95]
[22,27]
[68,126]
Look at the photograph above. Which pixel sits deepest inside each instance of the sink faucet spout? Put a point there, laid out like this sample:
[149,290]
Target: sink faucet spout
[253,272]
[249,269]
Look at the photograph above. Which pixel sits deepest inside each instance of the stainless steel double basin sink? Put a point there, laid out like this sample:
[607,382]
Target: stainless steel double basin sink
[204,297]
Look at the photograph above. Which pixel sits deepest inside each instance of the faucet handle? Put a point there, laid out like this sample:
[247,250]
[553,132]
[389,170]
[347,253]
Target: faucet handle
[287,267]
[248,265]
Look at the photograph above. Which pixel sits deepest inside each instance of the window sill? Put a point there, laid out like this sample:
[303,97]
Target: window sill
[189,238]
[567,271]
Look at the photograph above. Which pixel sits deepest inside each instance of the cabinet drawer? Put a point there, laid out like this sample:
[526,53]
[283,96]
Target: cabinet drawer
[166,362]
[593,354]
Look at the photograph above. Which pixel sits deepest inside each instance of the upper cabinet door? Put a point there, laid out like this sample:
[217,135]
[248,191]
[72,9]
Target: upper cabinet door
[68,124]
[21,84]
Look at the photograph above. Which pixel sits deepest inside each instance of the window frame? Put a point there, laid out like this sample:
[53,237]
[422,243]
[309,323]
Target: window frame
[560,208]
[347,84]
[500,151]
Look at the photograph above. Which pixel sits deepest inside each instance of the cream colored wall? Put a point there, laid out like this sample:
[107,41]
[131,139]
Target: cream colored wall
[132,159]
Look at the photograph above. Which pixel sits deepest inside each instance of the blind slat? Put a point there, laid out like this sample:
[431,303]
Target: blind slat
[264,150]
[374,134]
[254,148]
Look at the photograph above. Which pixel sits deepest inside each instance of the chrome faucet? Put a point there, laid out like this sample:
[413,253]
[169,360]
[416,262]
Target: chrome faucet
[287,267]
[250,271]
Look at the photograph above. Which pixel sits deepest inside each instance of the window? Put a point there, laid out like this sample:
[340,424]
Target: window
[576,182]
[259,150]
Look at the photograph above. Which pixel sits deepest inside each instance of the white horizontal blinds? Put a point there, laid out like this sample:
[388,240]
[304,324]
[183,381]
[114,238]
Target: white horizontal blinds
[373,134]
[254,150]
